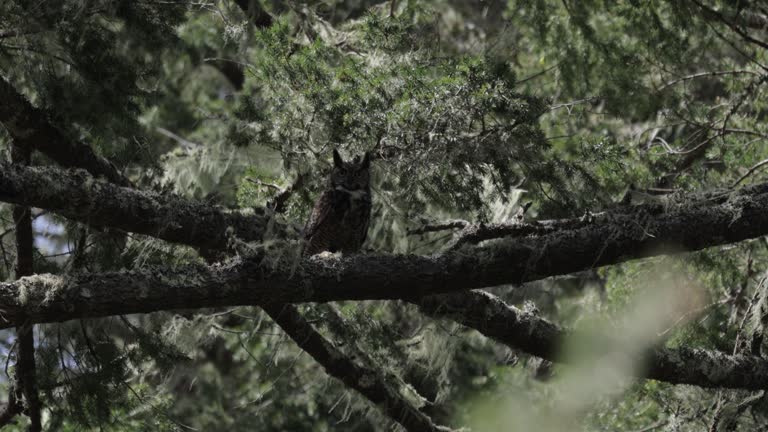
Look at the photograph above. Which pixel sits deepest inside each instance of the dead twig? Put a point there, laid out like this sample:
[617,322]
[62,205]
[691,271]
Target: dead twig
[439,226]
[749,172]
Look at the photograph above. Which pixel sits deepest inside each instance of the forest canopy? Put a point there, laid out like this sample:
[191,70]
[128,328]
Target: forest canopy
[568,215]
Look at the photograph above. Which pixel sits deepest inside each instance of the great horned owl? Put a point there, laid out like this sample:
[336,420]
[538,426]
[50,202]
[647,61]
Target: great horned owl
[339,220]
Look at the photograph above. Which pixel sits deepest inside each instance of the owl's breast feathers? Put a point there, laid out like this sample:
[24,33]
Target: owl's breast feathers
[338,222]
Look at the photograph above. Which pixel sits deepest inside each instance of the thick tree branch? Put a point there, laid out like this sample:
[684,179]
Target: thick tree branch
[29,127]
[611,237]
[492,317]
[374,384]
[534,335]
[49,298]
[80,197]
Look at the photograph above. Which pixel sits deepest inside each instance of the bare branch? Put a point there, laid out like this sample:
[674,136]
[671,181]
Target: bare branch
[750,172]
[278,202]
[568,105]
[707,74]
[258,182]
[439,226]
[537,74]
[189,145]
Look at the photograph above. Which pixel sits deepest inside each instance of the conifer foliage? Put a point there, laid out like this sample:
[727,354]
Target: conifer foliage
[570,206]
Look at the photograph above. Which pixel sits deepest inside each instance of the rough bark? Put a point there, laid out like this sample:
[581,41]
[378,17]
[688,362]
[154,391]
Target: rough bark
[535,335]
[606,238]
[609,238]
[78,196]
[30,128]
[26,376]
[371,383]
[48,298]
[542,248]
[492,317]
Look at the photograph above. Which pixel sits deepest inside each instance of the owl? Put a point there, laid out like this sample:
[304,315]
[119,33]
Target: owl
[339,219]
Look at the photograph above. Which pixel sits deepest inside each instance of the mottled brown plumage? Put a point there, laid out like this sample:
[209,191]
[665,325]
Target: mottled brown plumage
[339,219]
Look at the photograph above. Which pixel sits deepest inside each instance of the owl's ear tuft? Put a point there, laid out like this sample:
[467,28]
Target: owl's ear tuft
[337,160]
[366,160]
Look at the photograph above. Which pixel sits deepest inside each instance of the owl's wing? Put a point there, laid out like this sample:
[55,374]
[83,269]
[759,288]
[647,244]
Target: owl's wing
[366,222]
[320,212]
